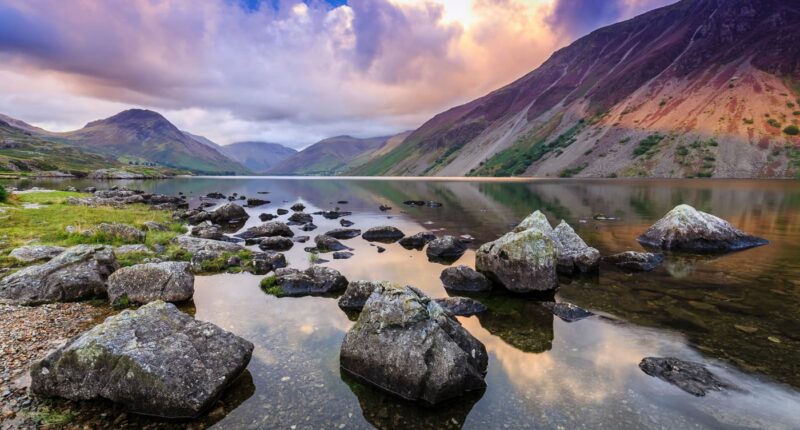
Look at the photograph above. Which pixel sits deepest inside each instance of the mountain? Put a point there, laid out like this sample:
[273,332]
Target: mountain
[695,89]
[331,156]
[138,135]
[258,156]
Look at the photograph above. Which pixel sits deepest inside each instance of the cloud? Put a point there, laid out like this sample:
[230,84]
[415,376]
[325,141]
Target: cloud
[576,18]
[294,72]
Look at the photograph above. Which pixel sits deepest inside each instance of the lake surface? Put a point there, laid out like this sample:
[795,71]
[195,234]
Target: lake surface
[739,314]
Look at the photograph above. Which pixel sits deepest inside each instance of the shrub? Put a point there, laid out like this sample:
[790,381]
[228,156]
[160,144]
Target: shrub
[774,122]
[682,151]
[3,194]
[647,143]
[791,130]
[748,121]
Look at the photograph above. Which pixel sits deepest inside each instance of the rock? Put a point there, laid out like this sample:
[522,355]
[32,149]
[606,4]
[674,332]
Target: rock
[418,240]
[32,253]
[463,278]
[414,202]
[537,221]
[342,202]
[268,229]
[522,261]
[309,227]
[79,272]
[684,228]
[567,311]
[301,217]
[466,238]
[117,230]
[332,214]
[170,281]
[266,217]
[282,211]
[300,239]
[381,250]
[445,248]
[461,306]
[406,344]
[384,208]
[635,261]
[691,377]
[177,369]
[433,204]
[344,233]
[277,243]
[573,253]
[216,196]
[342,255]
[345,223]
[298,207]
[89,190]
[208,231]
[383,234]
[326,243]
[251,202]
[196,244]
[314,280]
[265,262]
[154,226]
[230,213]
[129,249]
[358,292]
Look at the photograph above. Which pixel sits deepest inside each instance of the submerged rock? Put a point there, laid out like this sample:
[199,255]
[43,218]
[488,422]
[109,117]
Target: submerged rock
[345,223]
[267,217]
[684,228]
[170,281]
[342,255]
[309,227]
[314,280]
[155,360]
[573,253]
[635,261]
[276,243]
[417,241]
[268,229]
[282,211]
[445,248]
[461,306]
[463,278]
[406,344]
[358,292]
[344,233]
[79,272]
[567,311]
[32,253]
[383,234]
[253,202]
[326,243]
[301,218]
[689,376]
[522,262]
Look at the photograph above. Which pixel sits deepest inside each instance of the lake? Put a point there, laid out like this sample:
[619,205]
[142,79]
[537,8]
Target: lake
[739,314]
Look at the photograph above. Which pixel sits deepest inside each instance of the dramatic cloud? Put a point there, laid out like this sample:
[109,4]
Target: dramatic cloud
[281,70]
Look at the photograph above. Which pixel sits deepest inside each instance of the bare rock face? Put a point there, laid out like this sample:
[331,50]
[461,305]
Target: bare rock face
[522,262]
[155,360]
[77,273]
[567,311]
[32,253]
[633,261]
[170,281]
[386,234]
[691,377]
[358,292]
[268,229]
[574,255]
[406,344]
[684,228]
[446,248]
[314,280]
[463,278]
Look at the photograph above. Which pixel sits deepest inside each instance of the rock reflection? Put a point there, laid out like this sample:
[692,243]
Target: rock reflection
[521,322]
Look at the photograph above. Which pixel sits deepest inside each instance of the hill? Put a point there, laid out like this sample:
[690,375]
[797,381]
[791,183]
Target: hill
[258,156]
[330,156]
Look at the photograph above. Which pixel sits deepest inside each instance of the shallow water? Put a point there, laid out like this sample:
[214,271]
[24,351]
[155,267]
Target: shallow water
[543,372]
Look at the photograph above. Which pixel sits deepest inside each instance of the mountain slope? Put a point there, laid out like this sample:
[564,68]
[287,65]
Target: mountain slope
[698,88]
[258,156]
[143,135]
[328,157]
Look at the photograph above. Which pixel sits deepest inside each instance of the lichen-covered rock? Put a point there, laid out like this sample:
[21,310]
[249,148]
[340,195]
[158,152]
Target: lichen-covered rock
[118,231]
[268,229]
[208,231]
[130,249]
[406,344]
[633,261]
[155,360]
[573,253]
[170,281]
[691,377]
[230,213]
[383,234]
[265,262]
[522,261]
[196,244]
[32,253]
[314,280]
[326,243]
[79,272]
[684,228]
[463,278]
[358,292]
[276,243]
[417,241]
[461,306]
[567,311]
[154,226]
[344,233]
[445,248]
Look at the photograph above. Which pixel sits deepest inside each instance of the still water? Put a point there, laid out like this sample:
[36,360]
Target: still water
[739,314]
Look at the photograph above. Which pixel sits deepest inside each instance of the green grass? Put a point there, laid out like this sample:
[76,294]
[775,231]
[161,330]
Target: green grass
[791,130]
[570,172]
[3,194]
[646,144]
[49,417]
[270,286]
[220,264]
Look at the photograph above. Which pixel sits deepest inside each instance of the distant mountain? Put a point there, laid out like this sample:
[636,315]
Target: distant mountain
[258,156]
[22,125]
[695,89]
[331,156]
[138,135]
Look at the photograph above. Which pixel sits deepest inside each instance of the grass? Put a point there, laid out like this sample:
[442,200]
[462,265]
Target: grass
[270,286]
[313,257]
[697,158]
[50,417]
[220,264]
[3,194]
[646,144]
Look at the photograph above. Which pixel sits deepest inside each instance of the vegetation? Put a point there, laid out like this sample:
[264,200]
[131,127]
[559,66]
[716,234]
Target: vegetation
[3,194]
[647,144]
[774,123]
[791,130]
[270,286]
[220,263]
[697,158]
[570,172]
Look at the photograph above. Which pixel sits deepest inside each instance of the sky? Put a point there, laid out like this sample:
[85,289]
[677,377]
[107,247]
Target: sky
[286,71]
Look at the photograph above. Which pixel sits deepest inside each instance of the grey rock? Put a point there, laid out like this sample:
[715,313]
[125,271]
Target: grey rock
[177,369]
[314,280]
[130,249]
[301,217]
[345,223]
[463,278]
[32,253]
[406,344]
[522,262]
[79,272]
[282,211]
[418,240]
[445,248]
[301,239]
[196,244]
[573,253]
[252,202]
[230,213]
[342,255]
[208,231]
[358,292]
[567,311]
[309,227]
[297,207]
[461,306]
[383,234]
[154,226]
[277,243]
[633,261]
[344,233]
[265,262]
[117,230]
[268,229]
[689,376]
[326,243]
[169,281]
[267,217]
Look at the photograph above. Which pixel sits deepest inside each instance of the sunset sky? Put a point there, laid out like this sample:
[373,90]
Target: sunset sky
[284,71]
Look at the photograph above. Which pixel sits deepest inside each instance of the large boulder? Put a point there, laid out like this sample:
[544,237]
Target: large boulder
[633,261]
[33,253]
[406,344]
[326,243]
[314,280]
[684,228]
[344,233]
[77,273]
[230,213]
[301,218]
[522,262]
[689,376]
[358,292]
[446,248]
[120,231]
[417,241]
[573,253]
[155,360]
[268,229]
[196,244]
[463,278]
[383,234]
[170,281]
[276,243]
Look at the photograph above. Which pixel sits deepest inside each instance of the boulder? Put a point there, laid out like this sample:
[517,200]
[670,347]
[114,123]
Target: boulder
[358,292]
[417,241]
[447,248]
[309,227]
[282,211]
[314,280]
[265,262]
[215,195]
[344,233]
[522,262]
[383,234]
[252,202]
[170,281]
[461,306]
[463,278]
[33,253]
[406,344]
[345,223]
[208,231]
[298,207]
[633,261]
[567,311]
[154,226]
[689,376]
[155,361]
[342,255]
[573,253]
[684,228]
[118,231]
[268,229]
[326,243]
[130,249]
[277,243]
[79,272]
[267,217]
[301,218]
[196,244]
[230,213]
